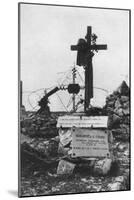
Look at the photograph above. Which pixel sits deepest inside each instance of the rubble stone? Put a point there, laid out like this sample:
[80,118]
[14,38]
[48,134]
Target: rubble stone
[63,150]
[118,104]
[126,105]
[119,111]
[122,147]
[111,103]
[115,186]
[65,136]
[120,107]
[120,179]
[115,119]
[126,111]
[102,167]
[65,167]
[124,99]
[123,89]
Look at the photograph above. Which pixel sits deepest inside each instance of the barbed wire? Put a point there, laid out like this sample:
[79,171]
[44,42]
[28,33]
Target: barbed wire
[64,80]
[62,102]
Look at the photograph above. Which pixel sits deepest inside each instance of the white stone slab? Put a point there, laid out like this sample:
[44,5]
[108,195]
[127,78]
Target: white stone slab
[82,121]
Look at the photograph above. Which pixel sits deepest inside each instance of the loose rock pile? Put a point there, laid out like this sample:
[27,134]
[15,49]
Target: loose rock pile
[45,150]
[38,125]
[117,107]
[39,137]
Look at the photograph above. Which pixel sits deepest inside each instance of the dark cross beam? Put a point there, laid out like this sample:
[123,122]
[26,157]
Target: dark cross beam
[88,48]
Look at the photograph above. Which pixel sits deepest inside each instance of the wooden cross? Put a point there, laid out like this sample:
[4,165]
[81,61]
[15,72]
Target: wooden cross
[84,57]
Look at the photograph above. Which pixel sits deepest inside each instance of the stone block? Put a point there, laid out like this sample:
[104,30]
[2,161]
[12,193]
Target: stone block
[120,179]
[65,167]
[102,167]
[114,186]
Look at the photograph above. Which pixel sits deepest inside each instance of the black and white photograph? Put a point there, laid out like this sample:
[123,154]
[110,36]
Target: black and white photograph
[74,99]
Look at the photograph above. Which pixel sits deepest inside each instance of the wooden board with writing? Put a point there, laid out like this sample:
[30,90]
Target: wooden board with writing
[89,143]
[82,121]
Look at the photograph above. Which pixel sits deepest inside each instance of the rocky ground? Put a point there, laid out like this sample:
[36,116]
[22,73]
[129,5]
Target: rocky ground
[40,178]
[40,158]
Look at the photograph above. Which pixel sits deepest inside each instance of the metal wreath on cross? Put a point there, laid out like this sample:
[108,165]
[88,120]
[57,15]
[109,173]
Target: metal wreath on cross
[82,52]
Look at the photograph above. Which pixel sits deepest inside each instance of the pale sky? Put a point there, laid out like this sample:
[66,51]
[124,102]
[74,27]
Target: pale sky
[47,32]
